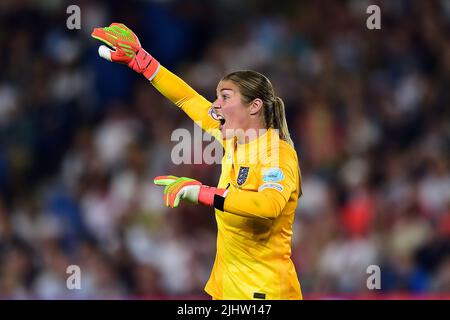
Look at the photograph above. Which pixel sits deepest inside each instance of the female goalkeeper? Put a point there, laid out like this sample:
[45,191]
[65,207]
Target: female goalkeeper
[259,186]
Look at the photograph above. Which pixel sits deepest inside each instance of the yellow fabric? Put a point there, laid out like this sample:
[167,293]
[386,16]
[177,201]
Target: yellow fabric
[186,98]
[255,228]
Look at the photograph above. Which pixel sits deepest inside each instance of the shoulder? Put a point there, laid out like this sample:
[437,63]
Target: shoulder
[287,149]
[280,160]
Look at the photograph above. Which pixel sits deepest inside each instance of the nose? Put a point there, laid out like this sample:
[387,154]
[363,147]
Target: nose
[216,105]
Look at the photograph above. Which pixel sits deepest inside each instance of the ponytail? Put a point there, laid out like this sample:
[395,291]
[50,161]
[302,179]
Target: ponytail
[279,120]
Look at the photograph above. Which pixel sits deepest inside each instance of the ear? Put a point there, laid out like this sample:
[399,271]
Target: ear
[255,106]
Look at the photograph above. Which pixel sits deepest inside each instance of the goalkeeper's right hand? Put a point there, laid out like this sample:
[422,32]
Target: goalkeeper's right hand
[127,49]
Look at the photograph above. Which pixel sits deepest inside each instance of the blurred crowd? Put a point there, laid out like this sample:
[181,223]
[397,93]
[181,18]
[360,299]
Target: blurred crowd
[82,138]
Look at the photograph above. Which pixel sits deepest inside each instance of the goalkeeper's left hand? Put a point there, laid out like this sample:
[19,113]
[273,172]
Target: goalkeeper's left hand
[188,189]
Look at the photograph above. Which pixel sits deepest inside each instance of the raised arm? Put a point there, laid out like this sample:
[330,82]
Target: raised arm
[124,47]
[182,95]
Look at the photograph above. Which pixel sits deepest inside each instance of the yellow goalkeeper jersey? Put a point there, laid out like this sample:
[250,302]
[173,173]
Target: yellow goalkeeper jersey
[253,259]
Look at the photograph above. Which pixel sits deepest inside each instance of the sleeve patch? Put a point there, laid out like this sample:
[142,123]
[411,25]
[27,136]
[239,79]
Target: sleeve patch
[273,175]
[212,113]
[275,186]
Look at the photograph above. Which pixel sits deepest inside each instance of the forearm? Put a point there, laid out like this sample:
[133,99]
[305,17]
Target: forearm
[181,94]
[266,205]
[174,88]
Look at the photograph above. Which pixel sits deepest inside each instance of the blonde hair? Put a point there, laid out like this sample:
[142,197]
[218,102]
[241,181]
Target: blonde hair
[253,85]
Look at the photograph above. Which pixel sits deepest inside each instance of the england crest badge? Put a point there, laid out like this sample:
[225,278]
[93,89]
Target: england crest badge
[242,176]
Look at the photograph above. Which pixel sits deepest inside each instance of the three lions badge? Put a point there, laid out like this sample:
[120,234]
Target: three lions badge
[242,175]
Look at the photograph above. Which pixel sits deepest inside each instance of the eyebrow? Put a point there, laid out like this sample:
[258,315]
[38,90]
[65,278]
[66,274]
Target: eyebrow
[226,89]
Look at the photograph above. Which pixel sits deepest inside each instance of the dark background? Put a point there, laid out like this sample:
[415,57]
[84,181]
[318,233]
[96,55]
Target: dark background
[82,138]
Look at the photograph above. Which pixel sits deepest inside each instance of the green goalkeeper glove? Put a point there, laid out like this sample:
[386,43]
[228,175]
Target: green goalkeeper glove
[127,49]
[187,189]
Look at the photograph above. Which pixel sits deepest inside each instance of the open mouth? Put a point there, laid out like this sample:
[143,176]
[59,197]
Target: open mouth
[213,113]
[221,119]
